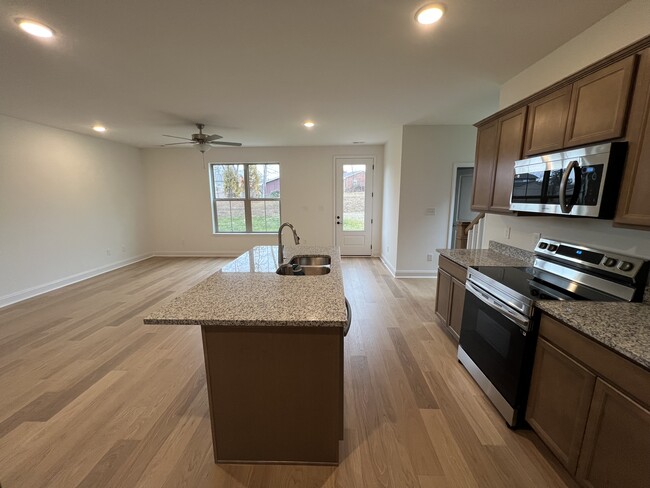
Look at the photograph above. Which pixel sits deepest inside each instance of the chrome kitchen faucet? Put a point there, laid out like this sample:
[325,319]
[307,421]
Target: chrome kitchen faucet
[296,239]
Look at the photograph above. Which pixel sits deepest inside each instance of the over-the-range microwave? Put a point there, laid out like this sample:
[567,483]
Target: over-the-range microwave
[580,182]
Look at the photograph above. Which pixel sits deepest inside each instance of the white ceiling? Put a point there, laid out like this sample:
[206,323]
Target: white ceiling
[254,70]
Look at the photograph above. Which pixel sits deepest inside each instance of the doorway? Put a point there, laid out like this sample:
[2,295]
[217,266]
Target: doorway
[353,224]
[461,213]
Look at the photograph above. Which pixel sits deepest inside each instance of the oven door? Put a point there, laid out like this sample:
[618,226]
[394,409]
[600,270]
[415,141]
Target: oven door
[498,340]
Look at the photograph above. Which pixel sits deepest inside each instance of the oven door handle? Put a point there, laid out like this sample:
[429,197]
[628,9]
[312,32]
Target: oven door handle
[522,322]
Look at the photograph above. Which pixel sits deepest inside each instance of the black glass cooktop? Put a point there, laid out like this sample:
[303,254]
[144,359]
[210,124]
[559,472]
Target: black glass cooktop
[536,285]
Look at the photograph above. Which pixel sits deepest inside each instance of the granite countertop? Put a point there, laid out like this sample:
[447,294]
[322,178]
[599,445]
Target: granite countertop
[482,257]
[621,326]
[248,292]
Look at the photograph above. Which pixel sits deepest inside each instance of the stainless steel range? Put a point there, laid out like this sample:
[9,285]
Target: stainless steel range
[499,328]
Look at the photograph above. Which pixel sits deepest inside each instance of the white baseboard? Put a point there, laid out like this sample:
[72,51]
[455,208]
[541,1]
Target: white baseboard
[416,273]
[387,265]
[19,296]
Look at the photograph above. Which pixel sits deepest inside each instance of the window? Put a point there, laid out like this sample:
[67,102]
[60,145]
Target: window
[246,197]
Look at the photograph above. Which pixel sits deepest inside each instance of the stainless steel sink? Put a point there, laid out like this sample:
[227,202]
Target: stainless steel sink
[306,266]
[311,260]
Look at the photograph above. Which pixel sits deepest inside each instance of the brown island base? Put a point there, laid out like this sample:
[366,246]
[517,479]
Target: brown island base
[273,349]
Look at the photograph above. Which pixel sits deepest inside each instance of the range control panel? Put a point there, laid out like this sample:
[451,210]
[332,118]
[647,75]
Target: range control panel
[605,260]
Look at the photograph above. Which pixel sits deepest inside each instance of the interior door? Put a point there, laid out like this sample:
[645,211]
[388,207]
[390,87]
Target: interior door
[354,205]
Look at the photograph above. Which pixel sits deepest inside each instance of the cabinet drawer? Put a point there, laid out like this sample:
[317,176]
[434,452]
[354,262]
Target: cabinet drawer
[456,270]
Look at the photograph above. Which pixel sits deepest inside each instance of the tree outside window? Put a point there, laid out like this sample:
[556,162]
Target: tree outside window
[246,197]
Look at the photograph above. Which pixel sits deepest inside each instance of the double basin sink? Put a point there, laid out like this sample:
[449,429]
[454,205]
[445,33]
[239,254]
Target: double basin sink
[306,266]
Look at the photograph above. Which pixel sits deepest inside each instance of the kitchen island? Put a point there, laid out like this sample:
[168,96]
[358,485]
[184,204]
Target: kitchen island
[273,349]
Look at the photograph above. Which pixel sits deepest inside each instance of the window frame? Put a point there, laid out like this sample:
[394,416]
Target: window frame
[247,199]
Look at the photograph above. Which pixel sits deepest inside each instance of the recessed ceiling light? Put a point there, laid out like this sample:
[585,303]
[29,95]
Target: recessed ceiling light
[35,28]
[309,124]
[99,128]
[430,14]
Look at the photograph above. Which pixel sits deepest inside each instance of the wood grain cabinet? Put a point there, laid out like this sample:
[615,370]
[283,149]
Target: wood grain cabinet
[450,295]
[589,405]
[616,447]
[558,405]
[634,205]
[592,109]
[499,145]
[546,123]
[599,104]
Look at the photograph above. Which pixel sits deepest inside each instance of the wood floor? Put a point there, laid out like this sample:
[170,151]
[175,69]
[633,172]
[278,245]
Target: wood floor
[91,397]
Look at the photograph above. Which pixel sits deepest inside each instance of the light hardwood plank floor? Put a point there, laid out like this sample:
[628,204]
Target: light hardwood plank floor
[92,397]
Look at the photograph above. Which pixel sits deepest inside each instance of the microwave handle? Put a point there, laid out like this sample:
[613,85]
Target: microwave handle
[564,206]
[522,323]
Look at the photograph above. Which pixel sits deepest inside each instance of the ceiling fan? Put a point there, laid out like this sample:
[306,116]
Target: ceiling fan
[202,141]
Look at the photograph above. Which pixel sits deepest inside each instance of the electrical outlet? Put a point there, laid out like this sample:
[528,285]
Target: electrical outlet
[430,211]
[429,257]
[387,248]
[123,248]
[506,232]
[108,252]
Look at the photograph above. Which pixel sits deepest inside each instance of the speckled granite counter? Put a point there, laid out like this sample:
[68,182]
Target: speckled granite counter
[248,292]
[621,326]
[496,255]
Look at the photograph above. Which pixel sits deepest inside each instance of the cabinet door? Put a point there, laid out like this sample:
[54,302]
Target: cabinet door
[616,448]
[599,104]
[456,307]
[443,295]
[511,139]
[546,123]
[634,204]
[558,405]
[486,153]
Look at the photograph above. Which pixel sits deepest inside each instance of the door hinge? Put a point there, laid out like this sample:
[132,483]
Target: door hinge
[373,167]
[372,221]
[372,194]
[371,247]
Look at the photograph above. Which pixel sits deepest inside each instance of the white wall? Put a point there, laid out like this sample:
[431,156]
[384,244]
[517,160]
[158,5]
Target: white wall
[391,192]
[620,28]
[179,196]
[65,199]
[428,155]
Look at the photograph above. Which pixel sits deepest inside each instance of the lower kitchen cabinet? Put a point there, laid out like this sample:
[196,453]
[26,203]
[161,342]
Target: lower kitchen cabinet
[590,407]
[558,403]
[616,447]
[456,306]
[450,295]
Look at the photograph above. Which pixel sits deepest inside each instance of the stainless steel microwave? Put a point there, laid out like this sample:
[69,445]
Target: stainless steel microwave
[580,182]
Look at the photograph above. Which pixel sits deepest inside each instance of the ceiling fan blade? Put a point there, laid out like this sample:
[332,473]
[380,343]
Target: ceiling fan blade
[177,143]
[176,137]
[224,143]
[213,137]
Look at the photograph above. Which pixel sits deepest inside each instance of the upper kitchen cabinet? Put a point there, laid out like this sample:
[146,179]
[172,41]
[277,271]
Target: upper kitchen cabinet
[498,146]
[486,155]
[633,205]
[591,109]
[599,104]
[546,125]
[511,137]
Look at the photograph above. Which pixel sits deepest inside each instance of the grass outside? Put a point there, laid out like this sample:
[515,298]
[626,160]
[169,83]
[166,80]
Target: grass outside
[238,224]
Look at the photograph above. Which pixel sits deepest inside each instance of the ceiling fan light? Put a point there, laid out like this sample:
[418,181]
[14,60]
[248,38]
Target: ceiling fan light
[430,14]
[203,147]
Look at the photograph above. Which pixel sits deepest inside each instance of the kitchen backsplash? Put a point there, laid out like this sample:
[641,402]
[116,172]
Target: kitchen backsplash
[513,252]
